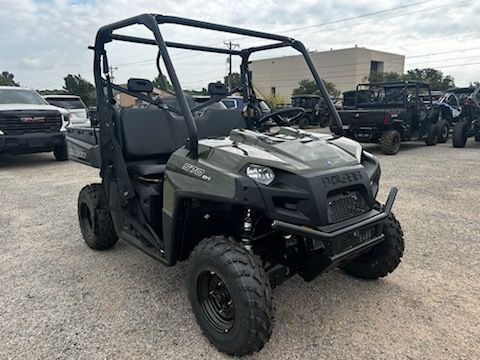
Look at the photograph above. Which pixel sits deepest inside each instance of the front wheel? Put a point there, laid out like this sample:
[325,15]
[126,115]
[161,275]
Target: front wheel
[383,258]
[443,130]
[303,123]
[94,217]
[60,152]
[230,296]
[460,134]
[432,135]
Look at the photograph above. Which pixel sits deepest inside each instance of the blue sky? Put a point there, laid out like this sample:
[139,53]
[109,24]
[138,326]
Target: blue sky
[47,39]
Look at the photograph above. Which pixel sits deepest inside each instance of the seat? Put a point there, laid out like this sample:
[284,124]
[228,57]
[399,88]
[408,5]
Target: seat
[146,169]
[150,136]
[219,123]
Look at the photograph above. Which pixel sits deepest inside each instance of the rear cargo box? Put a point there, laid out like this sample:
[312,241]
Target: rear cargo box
[84,145]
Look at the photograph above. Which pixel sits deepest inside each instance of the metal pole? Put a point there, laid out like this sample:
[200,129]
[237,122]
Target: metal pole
[230,46]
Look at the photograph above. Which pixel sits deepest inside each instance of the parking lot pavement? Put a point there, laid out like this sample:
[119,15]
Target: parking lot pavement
[59,299]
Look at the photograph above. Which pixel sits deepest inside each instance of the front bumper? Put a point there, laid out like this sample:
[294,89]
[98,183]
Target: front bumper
[30,143]
[327,238]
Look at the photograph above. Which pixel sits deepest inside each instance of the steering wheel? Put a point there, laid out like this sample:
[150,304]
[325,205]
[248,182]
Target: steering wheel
[284,117]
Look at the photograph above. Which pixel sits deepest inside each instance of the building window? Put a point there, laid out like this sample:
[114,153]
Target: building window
[376,67]
[273,90]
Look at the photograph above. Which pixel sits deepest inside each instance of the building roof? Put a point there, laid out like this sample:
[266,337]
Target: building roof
[315,52]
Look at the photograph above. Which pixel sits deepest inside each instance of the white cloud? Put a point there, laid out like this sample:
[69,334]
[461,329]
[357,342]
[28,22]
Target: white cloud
[45,40]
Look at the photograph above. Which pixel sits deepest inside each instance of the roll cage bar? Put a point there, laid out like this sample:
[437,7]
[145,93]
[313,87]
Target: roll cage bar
[409,84]
[152,21]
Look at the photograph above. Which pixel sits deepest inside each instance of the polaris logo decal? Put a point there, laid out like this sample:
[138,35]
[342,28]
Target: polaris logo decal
[342,179]
[195,170]
[79,154]
[32,119]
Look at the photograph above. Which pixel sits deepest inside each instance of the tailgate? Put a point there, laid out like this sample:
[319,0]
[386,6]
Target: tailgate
[84,146]
[362,117]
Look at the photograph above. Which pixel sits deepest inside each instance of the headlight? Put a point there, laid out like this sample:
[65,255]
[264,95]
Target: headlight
[1,132]
[66,118]
[262,174]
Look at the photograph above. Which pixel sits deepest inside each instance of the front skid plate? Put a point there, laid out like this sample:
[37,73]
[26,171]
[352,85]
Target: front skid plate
[321,263]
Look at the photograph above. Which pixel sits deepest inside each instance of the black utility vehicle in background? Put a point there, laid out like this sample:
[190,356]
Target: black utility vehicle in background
[249,209]
[316,110]
[237,103]
[468,124]
[391,112]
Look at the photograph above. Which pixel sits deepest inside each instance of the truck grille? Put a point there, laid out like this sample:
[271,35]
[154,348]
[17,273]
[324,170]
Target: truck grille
[24,122]
[345,206]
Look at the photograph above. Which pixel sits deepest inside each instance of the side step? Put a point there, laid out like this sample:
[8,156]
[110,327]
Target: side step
[153,252]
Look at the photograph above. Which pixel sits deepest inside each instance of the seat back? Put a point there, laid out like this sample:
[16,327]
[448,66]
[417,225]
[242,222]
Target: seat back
[151,133]
[154,133]
[217,123]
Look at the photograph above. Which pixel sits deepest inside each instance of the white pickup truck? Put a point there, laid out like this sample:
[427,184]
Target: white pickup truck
[77,110]
[28,124]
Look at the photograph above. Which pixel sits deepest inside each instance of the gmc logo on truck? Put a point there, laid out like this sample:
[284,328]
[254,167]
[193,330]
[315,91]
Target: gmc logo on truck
[32,119]
[347,178]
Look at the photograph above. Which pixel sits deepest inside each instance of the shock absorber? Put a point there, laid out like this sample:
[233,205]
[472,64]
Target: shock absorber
[247,230]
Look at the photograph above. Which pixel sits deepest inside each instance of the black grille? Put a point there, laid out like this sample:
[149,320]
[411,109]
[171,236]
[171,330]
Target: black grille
[24,122]
[351,240]
[345,206]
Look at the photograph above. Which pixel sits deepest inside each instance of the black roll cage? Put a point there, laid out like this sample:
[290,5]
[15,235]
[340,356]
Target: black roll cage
[408,84]
[152,21]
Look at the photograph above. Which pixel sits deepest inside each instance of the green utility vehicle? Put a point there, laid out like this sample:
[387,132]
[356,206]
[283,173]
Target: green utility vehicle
[247,209]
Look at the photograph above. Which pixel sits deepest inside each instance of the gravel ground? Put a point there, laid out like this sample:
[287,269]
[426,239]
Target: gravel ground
[59,299]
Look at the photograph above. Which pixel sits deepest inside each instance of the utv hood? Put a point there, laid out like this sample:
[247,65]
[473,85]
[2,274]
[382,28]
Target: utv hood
[289,149]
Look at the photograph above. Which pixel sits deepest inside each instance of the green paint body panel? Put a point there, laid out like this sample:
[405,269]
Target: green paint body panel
[223,160]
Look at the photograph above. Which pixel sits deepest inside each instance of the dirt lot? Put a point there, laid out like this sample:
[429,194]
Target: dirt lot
[59,299]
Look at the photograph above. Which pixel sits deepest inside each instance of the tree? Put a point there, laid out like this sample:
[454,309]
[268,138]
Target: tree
[161,82]
[428,75]
[307,86]
[75,84]
[275,101]
[236,80]
[7,79]
[383,77]
[431,76]
[331,88]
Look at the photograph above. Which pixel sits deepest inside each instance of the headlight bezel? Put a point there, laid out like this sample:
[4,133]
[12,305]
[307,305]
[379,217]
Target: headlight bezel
[260,173]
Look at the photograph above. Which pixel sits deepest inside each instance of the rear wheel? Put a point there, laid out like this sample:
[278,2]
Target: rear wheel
[383,258]
[94,217]
[459,137]
[432,135]
[390,142]
[60,152]
[443,130]
[230,296]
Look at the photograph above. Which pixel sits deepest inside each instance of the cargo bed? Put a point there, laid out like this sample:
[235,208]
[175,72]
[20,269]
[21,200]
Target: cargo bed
[84,145]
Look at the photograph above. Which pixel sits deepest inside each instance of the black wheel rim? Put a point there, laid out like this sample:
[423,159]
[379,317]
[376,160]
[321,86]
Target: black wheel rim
[86,219]
[444,132]
[215,301]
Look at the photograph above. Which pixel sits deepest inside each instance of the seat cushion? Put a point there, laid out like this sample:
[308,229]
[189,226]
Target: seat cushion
[146,169]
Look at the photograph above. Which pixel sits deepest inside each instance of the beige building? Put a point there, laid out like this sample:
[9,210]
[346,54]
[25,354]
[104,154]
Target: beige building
[344,67]
[124,100]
